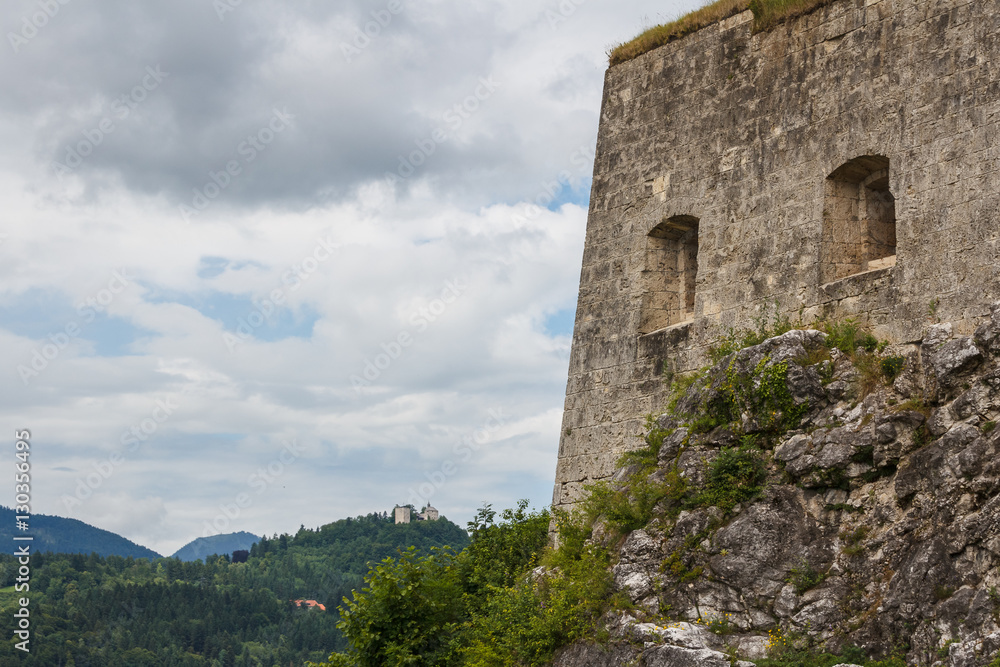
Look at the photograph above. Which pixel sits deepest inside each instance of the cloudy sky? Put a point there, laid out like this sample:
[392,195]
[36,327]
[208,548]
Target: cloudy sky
[276,263]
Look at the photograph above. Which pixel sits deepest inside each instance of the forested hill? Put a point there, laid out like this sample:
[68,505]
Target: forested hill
[351,544]
[89,610]
[62,535]
[216,544]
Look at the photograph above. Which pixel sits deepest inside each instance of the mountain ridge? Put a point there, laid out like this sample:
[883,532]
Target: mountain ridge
[202,547]
[67,535]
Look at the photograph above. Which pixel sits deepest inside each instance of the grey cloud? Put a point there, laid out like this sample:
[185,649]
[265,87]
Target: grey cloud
[352,120]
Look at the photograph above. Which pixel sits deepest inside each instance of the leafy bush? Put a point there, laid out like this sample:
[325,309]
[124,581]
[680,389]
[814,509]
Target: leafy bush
[805,577]
[501,552]
[763,394]
[722,625]
[406,614]
[944,650]
[655,438]
[892,367]
[573,530]
[677,565]
[626,508]
[735,476]
[524,624]
[845,335]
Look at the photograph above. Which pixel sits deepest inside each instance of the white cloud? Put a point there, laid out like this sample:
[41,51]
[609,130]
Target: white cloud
[453,258]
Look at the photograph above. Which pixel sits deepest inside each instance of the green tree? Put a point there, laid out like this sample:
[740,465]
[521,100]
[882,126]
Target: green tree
[500,552]
[407,614]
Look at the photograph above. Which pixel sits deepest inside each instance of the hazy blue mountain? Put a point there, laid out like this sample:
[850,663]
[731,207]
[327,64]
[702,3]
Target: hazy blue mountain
[70,536]
[216,544]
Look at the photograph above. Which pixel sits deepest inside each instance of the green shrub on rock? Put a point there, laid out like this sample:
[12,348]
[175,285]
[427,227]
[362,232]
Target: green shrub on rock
[735,476]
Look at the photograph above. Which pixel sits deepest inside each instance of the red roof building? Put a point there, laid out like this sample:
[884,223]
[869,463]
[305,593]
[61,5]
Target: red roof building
[309,603]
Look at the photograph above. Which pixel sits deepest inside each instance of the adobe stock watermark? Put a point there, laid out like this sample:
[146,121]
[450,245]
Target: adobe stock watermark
[393,349]
[121,108]
[581,159]
[363,36]
[223,7]
[88,310]
[463,450]
[130,612]
[563,10]
[259,482]
[247,151]
[130,440]
[32,23]
[264,308]
[454,118]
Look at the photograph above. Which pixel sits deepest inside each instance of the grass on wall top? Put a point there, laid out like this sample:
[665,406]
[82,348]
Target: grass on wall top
[766,13]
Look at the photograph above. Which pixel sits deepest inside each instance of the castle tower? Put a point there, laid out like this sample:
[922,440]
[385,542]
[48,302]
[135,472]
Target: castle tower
[843,163]
[401,514]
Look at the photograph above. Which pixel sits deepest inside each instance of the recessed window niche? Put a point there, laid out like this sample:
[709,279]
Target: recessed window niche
[670,273]
[859,219]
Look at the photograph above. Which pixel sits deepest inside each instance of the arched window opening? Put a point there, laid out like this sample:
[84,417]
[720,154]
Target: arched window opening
[670,273]
[859,219]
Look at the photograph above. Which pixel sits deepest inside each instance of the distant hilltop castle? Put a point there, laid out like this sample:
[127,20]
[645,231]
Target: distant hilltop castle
[845,163]
[405,514]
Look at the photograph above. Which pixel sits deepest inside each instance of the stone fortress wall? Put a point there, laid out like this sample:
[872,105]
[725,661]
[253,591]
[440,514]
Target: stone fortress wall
[845,163]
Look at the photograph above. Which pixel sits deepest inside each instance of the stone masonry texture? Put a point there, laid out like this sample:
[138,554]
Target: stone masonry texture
[776,144]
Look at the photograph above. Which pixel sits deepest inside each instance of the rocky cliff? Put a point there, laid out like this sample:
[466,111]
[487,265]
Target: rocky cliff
[831,495]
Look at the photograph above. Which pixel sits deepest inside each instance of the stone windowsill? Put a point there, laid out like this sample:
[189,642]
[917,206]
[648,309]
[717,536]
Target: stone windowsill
[858,283]
[663,341]
[664,330]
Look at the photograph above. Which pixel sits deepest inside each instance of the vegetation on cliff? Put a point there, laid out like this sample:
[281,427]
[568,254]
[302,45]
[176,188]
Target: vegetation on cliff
[504,600]
[815,496]
[767,13]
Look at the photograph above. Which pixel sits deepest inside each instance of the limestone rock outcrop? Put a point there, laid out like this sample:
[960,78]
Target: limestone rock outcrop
[878,526]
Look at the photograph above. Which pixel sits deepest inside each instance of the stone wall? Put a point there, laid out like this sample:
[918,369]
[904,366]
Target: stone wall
[844,163]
